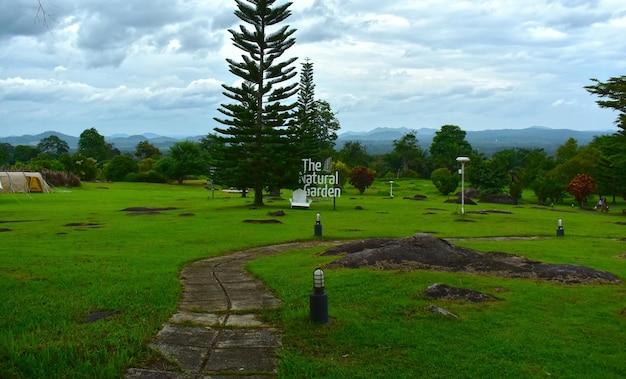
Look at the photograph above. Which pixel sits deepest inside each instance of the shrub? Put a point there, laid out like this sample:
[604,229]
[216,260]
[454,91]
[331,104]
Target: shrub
[361,178]
[443,179]
[60,179]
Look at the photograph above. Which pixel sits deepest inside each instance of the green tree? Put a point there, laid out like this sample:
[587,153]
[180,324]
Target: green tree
[411,154]
[354,154]
[614,91]
[254,148]
[6,153]
[444,180]
[344,173]
[611,166]
[567,151]
[185,158]
[447,145]
[145,150]
[549,186]
[487,176]
[316,128]
[92,144]
[83,166]
[361,178]
[53,147]
[119,167]
[24,153]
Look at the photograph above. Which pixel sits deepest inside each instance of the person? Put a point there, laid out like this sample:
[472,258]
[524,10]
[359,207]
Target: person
[599,206]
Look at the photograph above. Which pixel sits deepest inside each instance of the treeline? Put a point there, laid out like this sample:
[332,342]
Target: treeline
[602,162]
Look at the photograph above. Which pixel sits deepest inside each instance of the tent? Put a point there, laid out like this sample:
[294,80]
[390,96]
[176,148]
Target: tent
[23,182]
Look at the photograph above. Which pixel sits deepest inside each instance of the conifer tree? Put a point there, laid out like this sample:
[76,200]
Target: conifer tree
[251,151]
[316,127]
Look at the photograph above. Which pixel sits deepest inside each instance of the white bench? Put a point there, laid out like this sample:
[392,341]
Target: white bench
[299,200]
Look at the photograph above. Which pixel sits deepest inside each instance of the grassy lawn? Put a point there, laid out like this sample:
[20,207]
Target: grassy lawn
[69,254]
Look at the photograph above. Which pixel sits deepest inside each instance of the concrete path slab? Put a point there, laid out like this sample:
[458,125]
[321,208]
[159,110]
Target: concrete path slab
[217,331]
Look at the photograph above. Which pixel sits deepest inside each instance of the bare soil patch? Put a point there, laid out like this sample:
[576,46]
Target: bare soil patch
[138,211]
[416,197]
[271,221]
[425,252]
[445,292]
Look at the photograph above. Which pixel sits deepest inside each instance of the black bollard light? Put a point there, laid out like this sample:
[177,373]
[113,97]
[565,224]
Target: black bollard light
[317,229]
[318,300]
[560,232]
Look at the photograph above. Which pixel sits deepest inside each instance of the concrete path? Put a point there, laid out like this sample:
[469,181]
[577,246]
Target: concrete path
[217,332]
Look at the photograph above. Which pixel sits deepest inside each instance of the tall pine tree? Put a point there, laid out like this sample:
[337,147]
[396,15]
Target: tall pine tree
[316,128]
[251,151]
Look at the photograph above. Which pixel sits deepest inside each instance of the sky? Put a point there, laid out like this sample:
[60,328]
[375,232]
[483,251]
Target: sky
[157,66]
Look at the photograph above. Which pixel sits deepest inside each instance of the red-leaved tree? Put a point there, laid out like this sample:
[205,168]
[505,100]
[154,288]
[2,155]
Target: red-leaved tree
[581,187]
[361,178]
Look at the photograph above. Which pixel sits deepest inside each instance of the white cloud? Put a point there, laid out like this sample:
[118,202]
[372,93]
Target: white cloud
[124,65]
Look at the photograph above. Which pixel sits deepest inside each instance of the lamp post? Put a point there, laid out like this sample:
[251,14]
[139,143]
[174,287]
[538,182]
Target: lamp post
[317,228]
[462,160]
[318,300]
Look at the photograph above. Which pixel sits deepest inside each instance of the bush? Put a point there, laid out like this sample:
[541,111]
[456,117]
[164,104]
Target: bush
[60,179]
[119,167]
[443,179]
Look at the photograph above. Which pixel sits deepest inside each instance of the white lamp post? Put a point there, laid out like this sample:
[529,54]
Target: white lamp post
[462,160]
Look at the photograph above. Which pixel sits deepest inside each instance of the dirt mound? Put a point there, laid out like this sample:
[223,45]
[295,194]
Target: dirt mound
[446,292]
[422,251]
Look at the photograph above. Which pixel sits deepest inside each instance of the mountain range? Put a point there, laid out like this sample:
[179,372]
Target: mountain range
[376,141]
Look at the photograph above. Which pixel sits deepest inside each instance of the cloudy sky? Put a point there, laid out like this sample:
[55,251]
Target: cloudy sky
[137,66]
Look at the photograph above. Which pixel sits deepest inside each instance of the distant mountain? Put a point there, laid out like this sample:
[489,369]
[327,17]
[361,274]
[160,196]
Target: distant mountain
[33,140]
[380,140]
[376,141]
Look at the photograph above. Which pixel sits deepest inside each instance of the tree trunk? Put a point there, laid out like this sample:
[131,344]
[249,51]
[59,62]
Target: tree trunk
[258,197]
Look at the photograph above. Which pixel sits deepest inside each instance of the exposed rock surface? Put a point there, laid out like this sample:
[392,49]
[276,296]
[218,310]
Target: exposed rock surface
[423,251]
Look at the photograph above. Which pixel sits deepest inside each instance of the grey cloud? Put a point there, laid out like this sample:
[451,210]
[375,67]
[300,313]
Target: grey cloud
[19,17]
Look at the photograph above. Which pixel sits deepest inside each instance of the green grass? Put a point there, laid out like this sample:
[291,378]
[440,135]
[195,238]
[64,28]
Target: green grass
[52,275]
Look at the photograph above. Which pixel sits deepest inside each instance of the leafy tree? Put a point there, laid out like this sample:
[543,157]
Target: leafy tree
[6,153]
[145,149]
[361,178]
[567,151]
[344,173]
[410,153]
[354,154]
[614,90]
[53,146]
[444,180]
[83,166]
[92,144]
[24,153]
[119,167]
[581,187]
[549,186]
[185,158]
[611,166]
[447,145]
[487,176]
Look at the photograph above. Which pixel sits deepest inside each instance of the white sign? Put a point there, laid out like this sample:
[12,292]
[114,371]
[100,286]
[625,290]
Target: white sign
[316,182]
